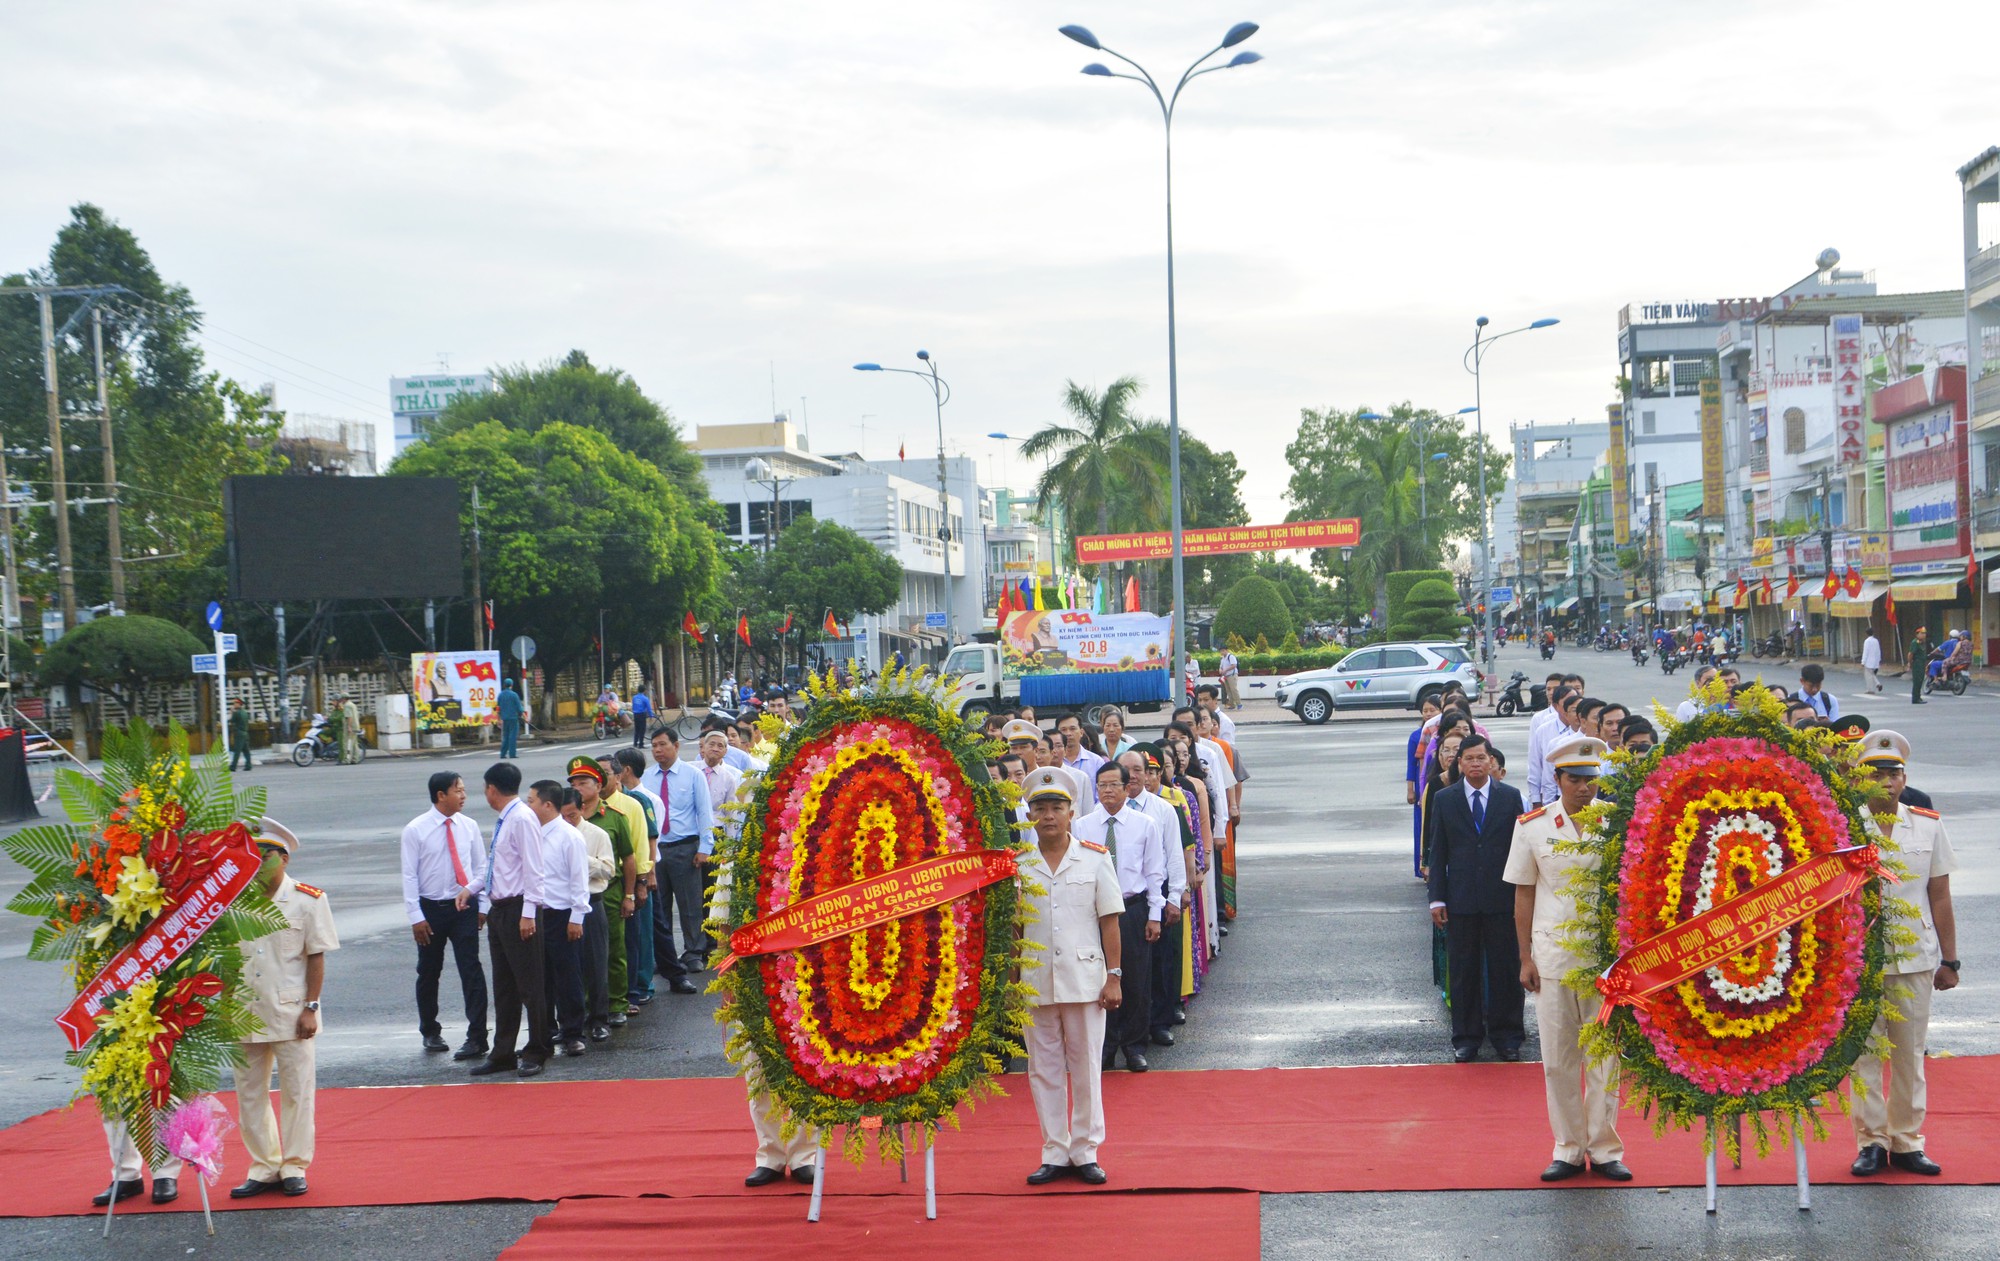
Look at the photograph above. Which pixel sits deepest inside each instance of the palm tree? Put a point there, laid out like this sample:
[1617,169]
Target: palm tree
[1380,487]
[1104,464]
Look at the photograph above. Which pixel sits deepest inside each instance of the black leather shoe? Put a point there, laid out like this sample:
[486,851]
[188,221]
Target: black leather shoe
[1045,1174]
[1510,1054]
[1612,1169]
[251,1187]
[486,1068]
[1093,1173]
[529,1068]
[433,1042]
[641,999]
[293,1186]
[803,1174]
[472,1051]
[1180,1016]
[1559,1170]
[681,985]
[1915,1162]
[121,1191]
[762,1177]
[600,1033]
[573,1047]
[616,1020]
[1135,1062]
[167,1190]
[1465,1054]
[1869,1162]
[1162,1037]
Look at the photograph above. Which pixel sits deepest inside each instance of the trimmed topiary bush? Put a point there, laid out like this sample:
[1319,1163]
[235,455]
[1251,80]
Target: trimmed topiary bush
[1255,610]
[1430,610]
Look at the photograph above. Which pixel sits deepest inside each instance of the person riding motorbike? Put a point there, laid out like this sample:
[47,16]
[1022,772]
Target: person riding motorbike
[1954,654]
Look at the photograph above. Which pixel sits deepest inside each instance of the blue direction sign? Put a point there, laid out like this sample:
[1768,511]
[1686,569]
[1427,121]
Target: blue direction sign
[214,616]
[225,641]
[1503,595]
[204,663]
[934,621]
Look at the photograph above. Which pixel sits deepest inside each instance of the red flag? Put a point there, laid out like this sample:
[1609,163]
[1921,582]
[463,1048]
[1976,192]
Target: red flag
[1831,587]
[688,625]
[1971,577]
[786,629]
[1742,592]
[1791,584]
[1889,606]
[1853,584]
[831,628]
[1131,595]
[489,617]
[743,630]
[901,452]
[1767,589]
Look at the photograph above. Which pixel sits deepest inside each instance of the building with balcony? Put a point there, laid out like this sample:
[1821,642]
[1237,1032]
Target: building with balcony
[1979,183]
[1535,516]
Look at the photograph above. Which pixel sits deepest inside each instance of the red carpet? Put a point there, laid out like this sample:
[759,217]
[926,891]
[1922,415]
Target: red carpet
[1213,1227]
[1414,1128]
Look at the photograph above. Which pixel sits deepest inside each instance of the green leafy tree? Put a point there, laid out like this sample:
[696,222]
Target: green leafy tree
[812,567]
[1429,611]
[1255,610]
[574,391]
[120,656]
[572,524]
[1106,467]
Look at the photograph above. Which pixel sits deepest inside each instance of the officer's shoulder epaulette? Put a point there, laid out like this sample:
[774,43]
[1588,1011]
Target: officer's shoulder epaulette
[308,890]
[1093,845]
[1534,814]
[1928,814]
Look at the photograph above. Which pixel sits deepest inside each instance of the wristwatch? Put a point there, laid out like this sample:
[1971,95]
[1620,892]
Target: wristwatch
[312,1005]
[1950,963]
[1119,972]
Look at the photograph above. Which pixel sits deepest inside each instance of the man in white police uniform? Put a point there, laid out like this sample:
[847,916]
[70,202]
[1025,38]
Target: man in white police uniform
[1582,1092]
[1073,887]
[1889,1125]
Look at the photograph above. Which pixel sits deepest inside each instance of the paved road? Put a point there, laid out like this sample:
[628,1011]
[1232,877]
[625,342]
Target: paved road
[1329,965]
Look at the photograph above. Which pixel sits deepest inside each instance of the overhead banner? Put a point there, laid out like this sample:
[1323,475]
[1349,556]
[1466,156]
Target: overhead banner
[1621,489]
[1714,492]
[1097,549]
[1074,639]
[456,690]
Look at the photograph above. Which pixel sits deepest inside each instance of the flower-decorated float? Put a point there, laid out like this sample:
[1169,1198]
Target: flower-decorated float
[1733,922]
[873,917]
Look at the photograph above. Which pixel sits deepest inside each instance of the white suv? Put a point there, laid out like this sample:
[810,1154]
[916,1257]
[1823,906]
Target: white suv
[1380,676]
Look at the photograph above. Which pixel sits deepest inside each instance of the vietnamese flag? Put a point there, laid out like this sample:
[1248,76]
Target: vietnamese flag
[1831,587]
[688,625]
[1971,578]
[1791,584]
[1853,583]
[786,629]
[743,630]
[831,627]
[1889,606]
[1767,589]
[1742,592]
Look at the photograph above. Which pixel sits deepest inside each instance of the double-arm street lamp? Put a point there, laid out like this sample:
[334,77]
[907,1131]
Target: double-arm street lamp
[940,395]
[1475,354]
[1236,35]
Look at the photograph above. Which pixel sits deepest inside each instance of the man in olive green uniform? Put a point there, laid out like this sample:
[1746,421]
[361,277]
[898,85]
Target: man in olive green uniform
[239,735]
[587,777]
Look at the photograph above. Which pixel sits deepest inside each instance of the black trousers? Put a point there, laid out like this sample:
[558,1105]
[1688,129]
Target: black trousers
[596,963]
[239,747]
[1133,1025]
[639,730]
[679,896]
[1167,973]
[1484,959]
[518,984]
[460,930]
[562,974]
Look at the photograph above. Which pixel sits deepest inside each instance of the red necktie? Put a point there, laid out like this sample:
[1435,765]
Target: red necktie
[457,867]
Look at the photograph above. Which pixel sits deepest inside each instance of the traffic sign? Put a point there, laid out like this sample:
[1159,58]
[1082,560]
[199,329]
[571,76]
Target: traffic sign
[214,616]
[934,621]
[225,641]
[524,648]
[204,663]
[1503,595]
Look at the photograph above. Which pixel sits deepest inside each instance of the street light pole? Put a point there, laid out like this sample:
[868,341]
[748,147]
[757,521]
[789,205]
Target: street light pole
[1236,35]
[940,395]
[1474,356]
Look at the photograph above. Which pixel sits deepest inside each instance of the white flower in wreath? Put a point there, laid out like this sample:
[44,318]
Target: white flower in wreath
[1773,984]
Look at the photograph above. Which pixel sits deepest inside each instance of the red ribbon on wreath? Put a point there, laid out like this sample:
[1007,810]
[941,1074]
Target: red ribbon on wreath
[183,1010]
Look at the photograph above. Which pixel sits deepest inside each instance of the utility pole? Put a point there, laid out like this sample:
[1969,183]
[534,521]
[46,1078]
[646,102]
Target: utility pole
[65,572]
[114,542]
[1826,549]
[478,587]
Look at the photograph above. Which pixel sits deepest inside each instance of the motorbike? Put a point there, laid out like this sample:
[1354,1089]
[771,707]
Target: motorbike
[1638,652]
[1513,701]
[1772,645]
[316,746]
[1672,659]
[1955,679]
[1549,648]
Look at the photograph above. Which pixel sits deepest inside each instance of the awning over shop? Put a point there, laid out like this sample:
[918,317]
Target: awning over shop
[1859,605]
[1926,588]
[1678,601]
[1637,606]
[1567,605]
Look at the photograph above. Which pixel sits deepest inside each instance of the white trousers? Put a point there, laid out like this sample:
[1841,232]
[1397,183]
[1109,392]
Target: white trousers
[1874,678]
[768,1119]
[1583,1094]
[1895,1119]
[1065,1071]
[128,1164]
[271,1156]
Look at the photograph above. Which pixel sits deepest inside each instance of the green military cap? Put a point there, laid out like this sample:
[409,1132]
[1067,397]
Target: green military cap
[583,764]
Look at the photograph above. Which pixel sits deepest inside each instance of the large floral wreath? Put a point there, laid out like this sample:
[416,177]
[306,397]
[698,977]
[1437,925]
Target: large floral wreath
[900,1023]
[150,831]
[1730,800]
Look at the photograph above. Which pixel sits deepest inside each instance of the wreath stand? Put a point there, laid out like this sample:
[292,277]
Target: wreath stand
[903,1164]
[1798,1132]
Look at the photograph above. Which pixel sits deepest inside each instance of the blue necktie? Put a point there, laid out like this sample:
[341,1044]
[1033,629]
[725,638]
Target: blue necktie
[1479,810]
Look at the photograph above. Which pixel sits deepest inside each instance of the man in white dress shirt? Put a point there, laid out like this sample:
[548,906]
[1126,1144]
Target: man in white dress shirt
[687,838]
[444,861]
[512,902]
[1079,761]
[565,905]
[1139,850]
[1542,729]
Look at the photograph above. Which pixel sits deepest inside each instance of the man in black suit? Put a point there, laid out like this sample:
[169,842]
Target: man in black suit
[1475,904]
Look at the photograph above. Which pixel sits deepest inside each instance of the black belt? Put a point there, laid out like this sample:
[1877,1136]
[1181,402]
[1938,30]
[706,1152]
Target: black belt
[680,840]
[1136,897]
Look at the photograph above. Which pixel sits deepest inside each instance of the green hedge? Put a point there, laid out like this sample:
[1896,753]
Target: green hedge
[1399,584]
[1274,662]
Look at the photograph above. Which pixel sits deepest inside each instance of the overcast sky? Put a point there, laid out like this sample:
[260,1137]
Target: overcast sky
[706,195]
